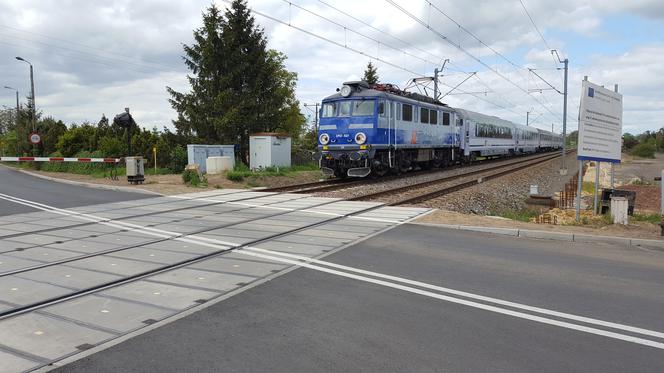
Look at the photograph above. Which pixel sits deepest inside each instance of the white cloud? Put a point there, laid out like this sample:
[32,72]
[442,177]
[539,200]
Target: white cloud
[92,59]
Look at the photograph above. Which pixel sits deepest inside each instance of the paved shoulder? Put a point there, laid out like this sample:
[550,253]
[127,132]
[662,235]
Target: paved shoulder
[331,317]
[20,185]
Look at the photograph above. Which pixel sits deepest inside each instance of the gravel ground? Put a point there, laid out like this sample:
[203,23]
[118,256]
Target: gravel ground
[173,184]
[508,192]
[407,180]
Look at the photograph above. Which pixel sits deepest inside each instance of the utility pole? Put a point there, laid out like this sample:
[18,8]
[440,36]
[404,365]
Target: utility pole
[563,169]
[436,71]
[32,99]
[315,116]
[579,179]
[527,118]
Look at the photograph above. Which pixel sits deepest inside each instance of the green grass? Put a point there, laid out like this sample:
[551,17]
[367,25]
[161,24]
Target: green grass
[241,171]
[588,187]
[650,218]
[519,215]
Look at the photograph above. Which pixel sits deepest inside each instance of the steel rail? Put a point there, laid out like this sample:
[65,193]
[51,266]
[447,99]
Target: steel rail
[183,263]
[468,184]
[424,184]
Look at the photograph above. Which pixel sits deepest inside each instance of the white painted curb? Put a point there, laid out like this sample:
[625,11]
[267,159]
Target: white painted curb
[557,236]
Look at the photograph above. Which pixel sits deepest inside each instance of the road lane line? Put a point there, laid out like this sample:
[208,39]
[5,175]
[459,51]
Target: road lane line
[466,294]
[303,262]
[526,316]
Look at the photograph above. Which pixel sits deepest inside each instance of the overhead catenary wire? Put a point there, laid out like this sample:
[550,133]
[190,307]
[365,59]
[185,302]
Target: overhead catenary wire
[467,53]
[476,76]
[345,46]
[546,44]
[108,54]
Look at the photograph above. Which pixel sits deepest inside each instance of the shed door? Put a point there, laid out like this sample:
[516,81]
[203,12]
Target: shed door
[200,155]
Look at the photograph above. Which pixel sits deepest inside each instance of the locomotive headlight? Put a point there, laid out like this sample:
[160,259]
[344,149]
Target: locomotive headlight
[346,91]
[324,138]
[360,138]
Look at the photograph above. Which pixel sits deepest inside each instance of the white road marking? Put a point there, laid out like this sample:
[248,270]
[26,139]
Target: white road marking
[304,262]
[464,294]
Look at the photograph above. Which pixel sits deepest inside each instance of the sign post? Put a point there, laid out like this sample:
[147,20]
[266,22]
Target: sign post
[154,153]
[34,138]
[600,131]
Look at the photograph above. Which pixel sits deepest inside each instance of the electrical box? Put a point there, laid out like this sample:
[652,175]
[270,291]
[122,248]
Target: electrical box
[135,170]
[198,154]
[217,165]
[269,150]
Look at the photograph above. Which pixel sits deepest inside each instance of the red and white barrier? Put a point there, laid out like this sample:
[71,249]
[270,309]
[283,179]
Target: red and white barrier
[59,159]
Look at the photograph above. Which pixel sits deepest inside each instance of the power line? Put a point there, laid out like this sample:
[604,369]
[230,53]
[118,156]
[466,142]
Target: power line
[114,54]
[476,76]
[345,46]
[478,60]
[538,30]
[534,25]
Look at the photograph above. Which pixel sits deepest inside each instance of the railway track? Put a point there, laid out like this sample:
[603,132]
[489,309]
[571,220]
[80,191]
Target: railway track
[191,237]
[409,194]
[316,186]
[336,184]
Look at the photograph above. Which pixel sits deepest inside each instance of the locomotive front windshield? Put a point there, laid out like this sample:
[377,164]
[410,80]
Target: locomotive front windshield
[355,108]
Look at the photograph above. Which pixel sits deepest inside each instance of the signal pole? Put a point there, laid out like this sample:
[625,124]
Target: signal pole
[315,116]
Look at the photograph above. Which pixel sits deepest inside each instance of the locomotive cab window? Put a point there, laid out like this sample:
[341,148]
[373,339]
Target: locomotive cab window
[424,115]
[446,119]
[363,108]
[344,108]
[329,110]
[433,116]
[381,109]
[407,112]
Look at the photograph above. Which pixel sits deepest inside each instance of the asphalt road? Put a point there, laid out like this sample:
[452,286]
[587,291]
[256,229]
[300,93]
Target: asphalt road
[313,320]
[21,185]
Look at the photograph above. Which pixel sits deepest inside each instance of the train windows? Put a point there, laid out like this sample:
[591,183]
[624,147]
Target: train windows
[344,108]
[459,122]
[381,108]
[446,119]
[424,115]
[407,112]
[433,117]
[493,131]
[398,111]
[363,108]
[329,109]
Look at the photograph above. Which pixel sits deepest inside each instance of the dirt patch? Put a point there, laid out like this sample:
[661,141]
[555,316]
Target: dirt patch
[633,230]
[173,184]
[648,198]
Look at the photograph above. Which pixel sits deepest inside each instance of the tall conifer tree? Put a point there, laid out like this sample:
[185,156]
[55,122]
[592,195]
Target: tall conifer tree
[238,85]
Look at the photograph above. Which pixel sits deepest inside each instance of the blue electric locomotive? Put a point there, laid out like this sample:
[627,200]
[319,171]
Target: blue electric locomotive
[379,128]
[376,129]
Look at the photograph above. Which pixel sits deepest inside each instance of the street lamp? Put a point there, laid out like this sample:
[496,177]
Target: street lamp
[32,92]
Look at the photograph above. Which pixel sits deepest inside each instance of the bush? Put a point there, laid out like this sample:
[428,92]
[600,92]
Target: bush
[192,178]
[236,176]
[178,159]
[645,150]
[111,147]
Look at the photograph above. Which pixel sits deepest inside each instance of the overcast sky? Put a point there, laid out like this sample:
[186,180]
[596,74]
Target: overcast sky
[93,58]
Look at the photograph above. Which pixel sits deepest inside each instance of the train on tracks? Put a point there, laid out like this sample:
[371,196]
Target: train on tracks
[376,129]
